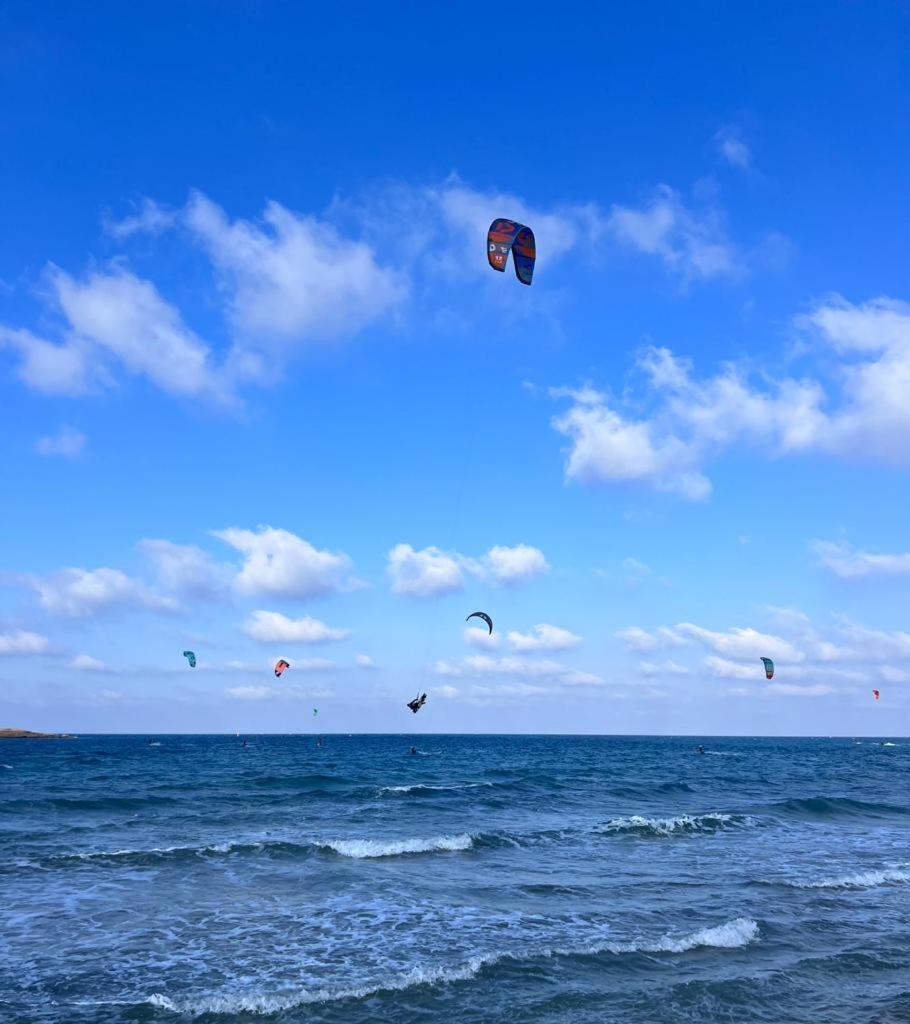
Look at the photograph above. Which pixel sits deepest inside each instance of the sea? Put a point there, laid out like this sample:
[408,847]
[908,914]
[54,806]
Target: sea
[544,879]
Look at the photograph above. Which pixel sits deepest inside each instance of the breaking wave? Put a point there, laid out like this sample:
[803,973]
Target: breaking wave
[730,935]
[684,824]
[860,880]
[367,848]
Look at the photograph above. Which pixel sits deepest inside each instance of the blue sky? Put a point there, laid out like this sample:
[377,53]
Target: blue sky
[261,395]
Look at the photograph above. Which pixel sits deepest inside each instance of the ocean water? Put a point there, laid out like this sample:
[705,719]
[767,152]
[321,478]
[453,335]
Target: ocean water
[487,879]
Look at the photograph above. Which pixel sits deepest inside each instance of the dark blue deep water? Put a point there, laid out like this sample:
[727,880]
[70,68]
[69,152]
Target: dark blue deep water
[538,879]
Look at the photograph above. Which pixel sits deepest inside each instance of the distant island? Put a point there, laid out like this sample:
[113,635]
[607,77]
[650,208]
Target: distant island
[25,734]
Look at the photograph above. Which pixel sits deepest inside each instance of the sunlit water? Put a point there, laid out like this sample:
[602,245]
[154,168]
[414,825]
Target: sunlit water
[544,879]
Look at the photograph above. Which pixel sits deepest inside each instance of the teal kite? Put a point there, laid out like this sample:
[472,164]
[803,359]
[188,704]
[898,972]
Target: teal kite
[190,657]
[769,667]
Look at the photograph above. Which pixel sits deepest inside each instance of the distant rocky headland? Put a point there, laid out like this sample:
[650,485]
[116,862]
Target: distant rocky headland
[25,734]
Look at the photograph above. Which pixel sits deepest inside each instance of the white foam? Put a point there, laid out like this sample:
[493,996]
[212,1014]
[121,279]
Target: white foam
[730,935]
[860,880]
[362,848]
[668,826]
[265,1003]
[424,785]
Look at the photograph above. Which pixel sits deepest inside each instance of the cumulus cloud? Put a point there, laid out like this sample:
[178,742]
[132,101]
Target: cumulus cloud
[432,571]
[637,639]
[48,367]
[23,642]
[849,563]
[543,637]
[862,414]
[516,565]
[363,661]
[82,593]
[291,277]
[481,665]
[741,643]
[692,244]
[663,668]
[67,442]
[807,658]
[86,663]
[273,627]
[277,562]
[423,573]
[481,637]
[186,569]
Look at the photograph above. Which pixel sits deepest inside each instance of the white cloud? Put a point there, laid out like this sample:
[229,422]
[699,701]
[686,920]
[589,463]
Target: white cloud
[876,644]
[273,627]
[518,564]
[723,668]
[423,573]
[732,148]
[23,642]
[847,562]
[482,665]
[118,315]
[637,639]
[67,442]
[432,571]
[292,277]
[280,563]
[86,663]
[364,661]
[51,369]
[693,245]
[742,643]
[435,229]
[543,637]
[252,692]
[150,218]
[663,668]
[186,569]
[81,593]
[481,637]
[448,692]
[692,421]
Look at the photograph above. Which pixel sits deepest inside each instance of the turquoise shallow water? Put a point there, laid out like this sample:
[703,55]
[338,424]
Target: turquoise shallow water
[545,879]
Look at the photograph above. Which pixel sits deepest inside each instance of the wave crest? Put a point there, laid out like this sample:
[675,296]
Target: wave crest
[367,848]
[684,824]
[729,935]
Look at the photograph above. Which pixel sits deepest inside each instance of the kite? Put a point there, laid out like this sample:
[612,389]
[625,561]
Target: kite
[876,694]
[417,703]
[769,667]
[505,236]
[315,712]
[482,615]
[280,666]
[190,657]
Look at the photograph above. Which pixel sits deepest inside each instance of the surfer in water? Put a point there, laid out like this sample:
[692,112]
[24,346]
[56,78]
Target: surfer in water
[413,750]
[699,749]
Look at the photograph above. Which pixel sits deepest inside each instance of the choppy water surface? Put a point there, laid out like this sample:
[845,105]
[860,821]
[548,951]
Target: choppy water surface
[545,879]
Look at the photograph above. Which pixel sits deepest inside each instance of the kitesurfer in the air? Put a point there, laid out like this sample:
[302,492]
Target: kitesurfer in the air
[417,703]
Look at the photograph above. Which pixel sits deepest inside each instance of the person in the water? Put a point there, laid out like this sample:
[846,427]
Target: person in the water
[699,749]
[413,750]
